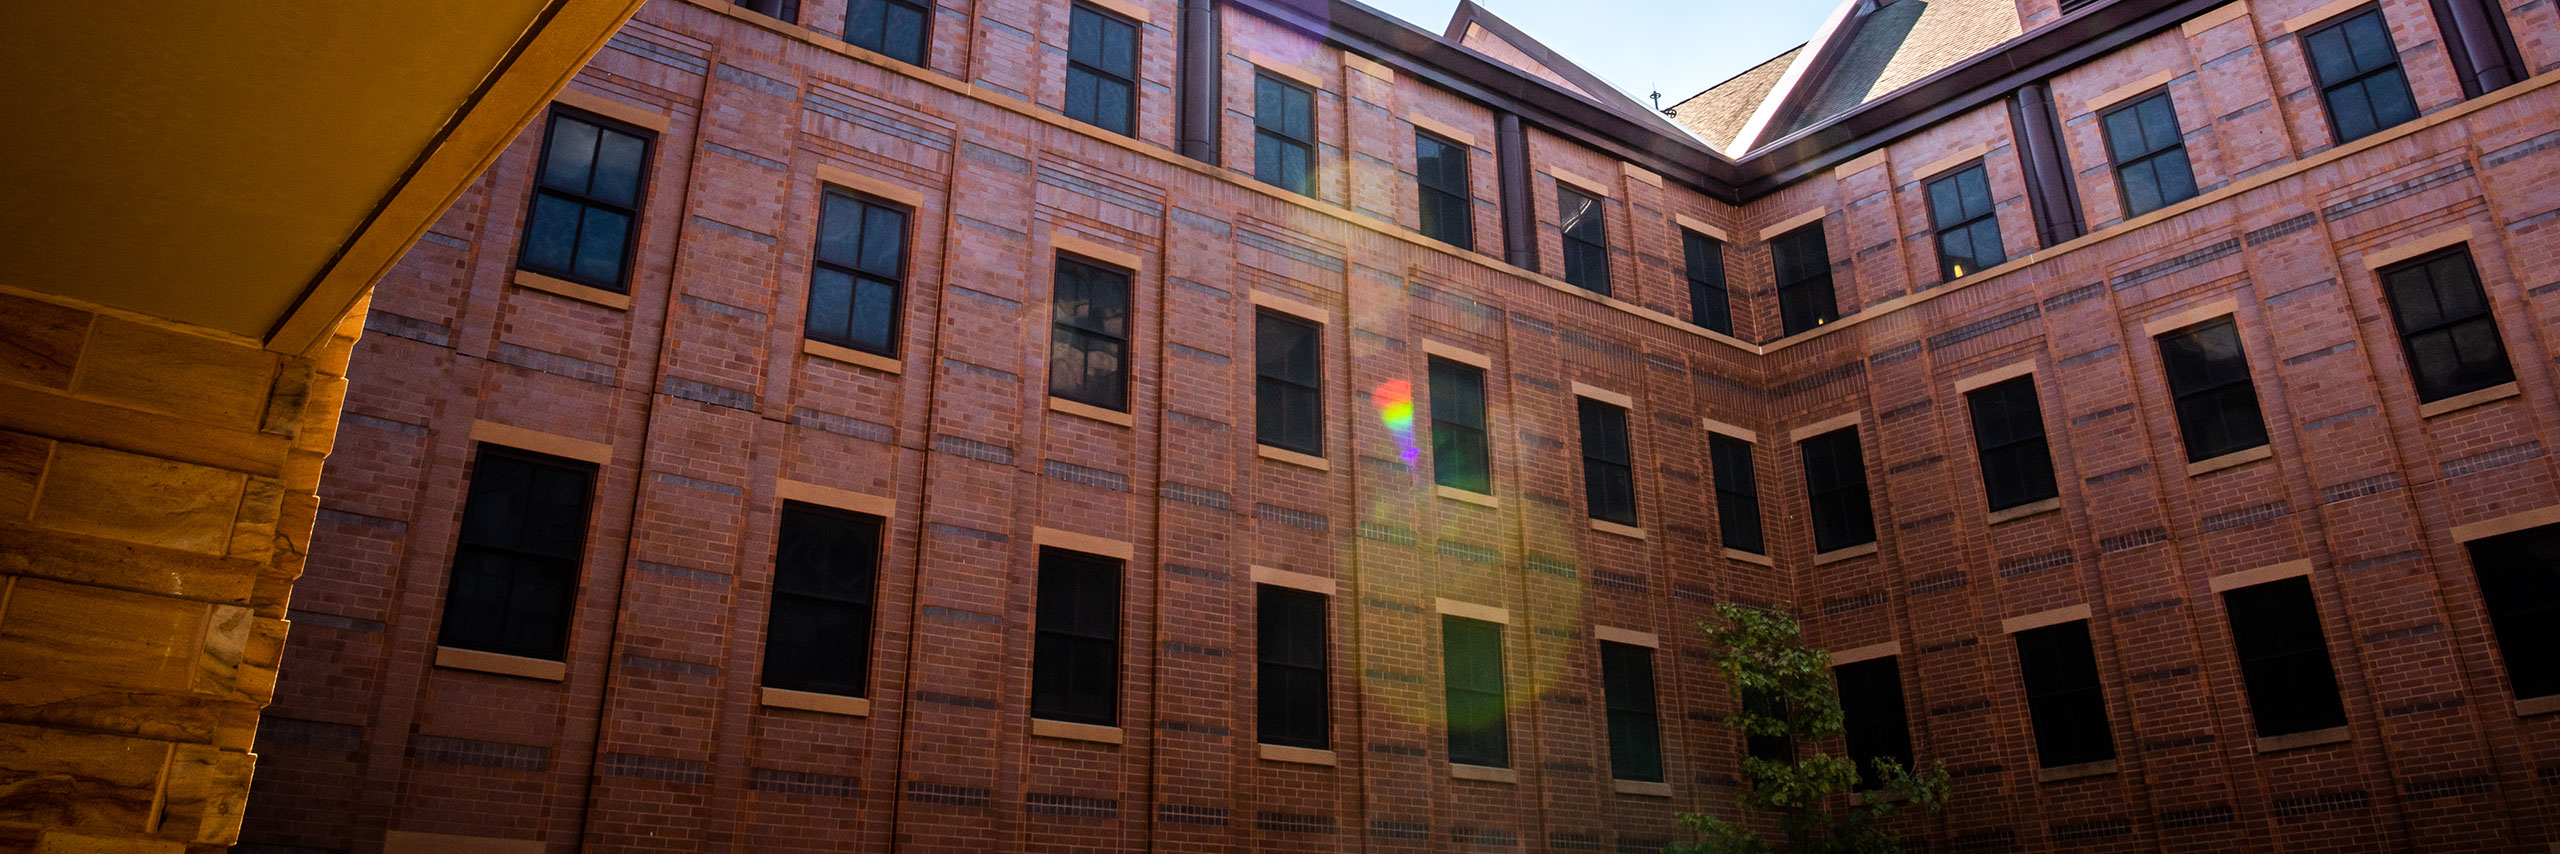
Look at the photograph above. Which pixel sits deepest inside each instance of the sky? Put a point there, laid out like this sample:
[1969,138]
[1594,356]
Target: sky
[1679,47]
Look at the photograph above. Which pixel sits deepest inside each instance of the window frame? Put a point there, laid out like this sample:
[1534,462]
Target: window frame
[818,264]
[1731,496]
[1137,50]
[1462,235]
[1062,331]
[1586,239]
[2246,381]
[2328,88]
[924,9]
[1096,569]
[2045,716]
[2151,157]
[1818,489]
[1441,420]
[2427,265]
[1597,461]
[1948,270]
[2275,679]
[2504,566]
[2036,448]
[566,567]
[1867,738]
[621,282]
[1696,251]
[1816,286]
[786,11]
[1265,382]
[1266,696]
[1278,134]
[1633,717]
[1497,730]
[868,604]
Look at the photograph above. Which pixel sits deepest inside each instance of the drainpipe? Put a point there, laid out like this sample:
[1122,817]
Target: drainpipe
[1519,221]
[1196,117]
[2051,193]
[2484,52]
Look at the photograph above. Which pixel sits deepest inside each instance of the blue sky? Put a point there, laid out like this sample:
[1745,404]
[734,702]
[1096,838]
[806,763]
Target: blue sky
[1676,46]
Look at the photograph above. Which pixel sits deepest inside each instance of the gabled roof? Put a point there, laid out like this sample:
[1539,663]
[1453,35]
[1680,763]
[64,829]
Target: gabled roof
[1476,28]
[1895,45]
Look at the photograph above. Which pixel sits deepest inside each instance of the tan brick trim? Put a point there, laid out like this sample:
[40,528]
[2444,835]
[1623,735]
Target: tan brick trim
[2182,319]
[1607,527]
[1278,577]
[2314,738]
[1747,557]
[1961,157]
[1702,227]
[1284,305]
[1297,755]
[1715,426]
[1603,395]
[2226,13]
[1125,9]
[611,108]
[1845,419]
[540,442]
[1097,734]
[559,287]
[2507,524]
[1444,130]
[1289,457]
[1483,774]
[1457,354]
[1870,652]
[1072,244]
[409,842]
[1285,68]
[2321,15]
[2041,619]
[809,701]
[2230,581]
[2230,460]
[850,356]
[2022,511]
[1641,788]
[1078,409]
[2529,706]
[1639,174]
[1355,62]
[2004,373]
[1086,543]
[1630,637]
[1838,555]
[1792,223]
[1859,164]
[2412,248]
[2464,401]
[456,658]
[2120,94]
[851,180]
[828,496]
[1472,611]
[1455,494]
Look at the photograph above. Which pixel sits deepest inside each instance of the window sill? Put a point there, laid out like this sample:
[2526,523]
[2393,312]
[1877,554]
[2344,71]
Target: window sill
[1087,410]
[531,280]
[811,701]
[2235,458]
[457,658]
[2060,773]
[1289,457]
[2529,706]
[1482,773]
[1748,557]
[1639,787]
[1297,755]
[1838,555]
[2314,738]
[850,356]
[2460,402]
[2024,510]
[1476,498]
[1095,733]
[1606,527]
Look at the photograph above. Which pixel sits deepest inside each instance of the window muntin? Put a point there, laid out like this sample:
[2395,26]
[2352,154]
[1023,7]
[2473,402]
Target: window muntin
[1460,457]
[2519,577]
[826,565]
[1291,689]
[897,29]
[1288,380]
[586,203]
[1089,335]
[1835,482]
[1968,224]
[1710,301]
[2216,399]
[2358,71]
[515,564]
[2150,154]
[857,283]
[2059,668]
[1102,69]
[2284,660]
[1608,463]
[1873,716]
[1801,260]
[1635,726]
[2446,330]
[1284,134]
[1479,716]
[1440,172]
[1075,653]
[1584,221]
[1737,493]
[2008,435]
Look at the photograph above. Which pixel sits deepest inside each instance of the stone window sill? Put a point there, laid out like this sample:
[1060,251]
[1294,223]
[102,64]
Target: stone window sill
[2529,706]
[2293,741]
[1289,457]
[2025,510]
[1296,755]
[1476,498]
[2461,402]
[2060,773]
[1837,555]
[1076,732]
[1747,557]
[850,356]
[1482,773]
[2235,458]
[811,701]
[531,280]
[1628,531]
[1639,787]
[457,658]
[1090,411]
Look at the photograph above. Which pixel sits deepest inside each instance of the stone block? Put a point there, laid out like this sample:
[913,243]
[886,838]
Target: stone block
[106,637]
[40,341]
[163,370]
[143,499]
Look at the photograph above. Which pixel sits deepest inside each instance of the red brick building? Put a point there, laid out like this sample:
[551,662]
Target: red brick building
[940,426]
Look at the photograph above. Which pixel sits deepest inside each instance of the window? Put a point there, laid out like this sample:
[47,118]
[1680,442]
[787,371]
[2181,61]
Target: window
[1284,134]
[1448,209]
[1872,715]
[587,200]
[860,273]
[2060,671]
[2209,376]
[2358,71]
[893,28]
[1802,262]
[1710,302]
[1089,336]
[1459,456]
[2445,328]
[1608,464]
[1737,493]
[2150,153]
[1635,728]
[1773,748]
[2008,433]
[2283,658]
[787,11]
[1102,69]
[515,568]
[1294,695]
[1586,240]
[1289,371]
[1968,226]
[2520,587]
[1471,664]
[824,571]
[1835,483]
[1075,652]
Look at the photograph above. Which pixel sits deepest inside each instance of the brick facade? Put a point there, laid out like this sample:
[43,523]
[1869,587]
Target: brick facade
[704,409]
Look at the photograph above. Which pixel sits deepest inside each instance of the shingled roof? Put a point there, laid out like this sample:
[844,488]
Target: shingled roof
[1718,114]
[1897,44]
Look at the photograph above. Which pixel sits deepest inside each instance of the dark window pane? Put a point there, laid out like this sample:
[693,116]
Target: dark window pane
[2284,660]
[1284,134]
[1088,337]
[1737,493]
[1292,691]
[1710,303]
[856,282]
[569,164]
[583,212]
[1635,730]
[2519,577]
[1440,170]
[1075,657]
[1289,412]
[1586,240]
[1102,66]
[2064,700]
[1471,668]
[1774,748]
[2445,327]
[1802,261]
[2008,434]
[2209,377]
[1835,476]
[1873,715]
[551,233]
[1608,475]
[824,567]
[1460,458]
[1967,223]
[516,563]
[2358,70]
